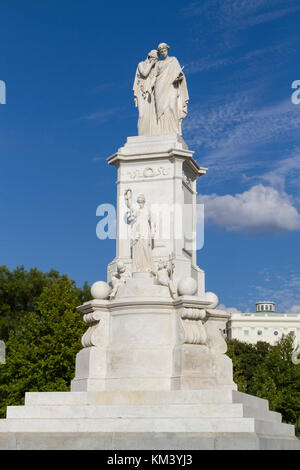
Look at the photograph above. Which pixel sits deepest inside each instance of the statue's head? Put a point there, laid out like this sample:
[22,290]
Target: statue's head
[163,49]
[153,55]
[160,264]
[141,200]
[121,267]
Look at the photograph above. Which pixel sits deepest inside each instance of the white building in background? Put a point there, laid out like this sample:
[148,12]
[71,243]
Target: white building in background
[263,325]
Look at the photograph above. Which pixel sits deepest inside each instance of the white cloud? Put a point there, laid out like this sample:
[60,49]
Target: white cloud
[238,15]
[282,287]
[212,125]
[235,127]
[295,309]
[270,16]
[233,134]
[287,167]
[260,210]
[228,309]
[102,115]
[210,62]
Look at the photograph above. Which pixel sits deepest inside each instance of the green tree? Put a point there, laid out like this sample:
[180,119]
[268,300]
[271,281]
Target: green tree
[19,290]
[278,380]
[268,372]
[41,351]
[245,358]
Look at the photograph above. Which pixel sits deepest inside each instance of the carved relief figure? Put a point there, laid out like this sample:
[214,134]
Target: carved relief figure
[143,89]
[143,232]
[118,279]
[164,276]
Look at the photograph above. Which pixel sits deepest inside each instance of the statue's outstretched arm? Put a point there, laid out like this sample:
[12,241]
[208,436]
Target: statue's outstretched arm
[128,202]
[128,198]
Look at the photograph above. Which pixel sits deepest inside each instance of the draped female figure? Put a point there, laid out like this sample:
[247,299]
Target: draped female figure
[143,89]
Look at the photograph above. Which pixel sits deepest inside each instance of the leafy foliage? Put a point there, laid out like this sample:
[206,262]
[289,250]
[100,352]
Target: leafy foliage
[268,372]
[44,334]
[19,290]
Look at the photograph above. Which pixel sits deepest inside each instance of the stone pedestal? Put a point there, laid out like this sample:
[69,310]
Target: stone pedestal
[164,170]
[153,373]
[145,340]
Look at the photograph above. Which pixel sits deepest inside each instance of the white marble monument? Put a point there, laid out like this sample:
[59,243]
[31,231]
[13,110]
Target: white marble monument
[160,93]
[153,371]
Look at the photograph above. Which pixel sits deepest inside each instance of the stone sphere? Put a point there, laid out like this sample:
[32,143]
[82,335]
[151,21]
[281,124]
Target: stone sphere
[212,299]
[187,286]
[100,290]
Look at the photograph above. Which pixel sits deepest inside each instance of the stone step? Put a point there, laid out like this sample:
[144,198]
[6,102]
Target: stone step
[126,411]
[278,443]
[142,411]
[154,425]
[144,441]
[271,428]
[249,400]
[166,397]
[250,412]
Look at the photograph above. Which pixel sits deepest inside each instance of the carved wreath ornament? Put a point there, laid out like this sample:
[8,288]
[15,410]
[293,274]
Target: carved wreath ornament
[149,172]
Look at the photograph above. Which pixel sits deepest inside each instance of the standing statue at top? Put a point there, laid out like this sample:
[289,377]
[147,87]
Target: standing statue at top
[160,93]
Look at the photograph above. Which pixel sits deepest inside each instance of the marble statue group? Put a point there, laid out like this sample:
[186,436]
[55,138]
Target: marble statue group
[160,93]
[153,371]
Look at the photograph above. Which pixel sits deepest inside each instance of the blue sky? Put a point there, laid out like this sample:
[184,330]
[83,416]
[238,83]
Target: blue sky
[69,68]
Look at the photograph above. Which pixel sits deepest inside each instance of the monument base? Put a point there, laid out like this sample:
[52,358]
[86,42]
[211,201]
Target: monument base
[146,340]
[154,420]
